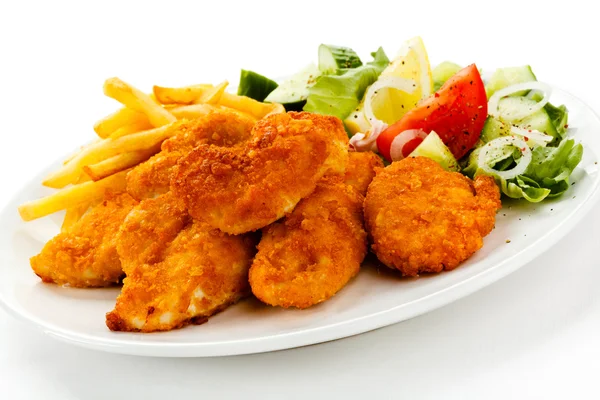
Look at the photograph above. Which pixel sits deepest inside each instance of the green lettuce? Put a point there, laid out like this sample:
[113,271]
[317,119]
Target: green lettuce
[546,176]
[522,187]
[559,117]
[551,166]
[548,173]
[339,94]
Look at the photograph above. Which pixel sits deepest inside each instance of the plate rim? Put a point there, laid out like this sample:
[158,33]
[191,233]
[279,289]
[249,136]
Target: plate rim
[342,329]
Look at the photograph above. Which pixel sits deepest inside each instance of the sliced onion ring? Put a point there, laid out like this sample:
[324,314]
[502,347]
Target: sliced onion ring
[532,137]
[400,141]
[522,163]
[368,141]
[494,101]
[395,82]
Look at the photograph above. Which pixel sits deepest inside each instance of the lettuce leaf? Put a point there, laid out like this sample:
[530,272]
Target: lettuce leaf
[559,117]
[547,175]
[523,187]
[338,95]
[552,165]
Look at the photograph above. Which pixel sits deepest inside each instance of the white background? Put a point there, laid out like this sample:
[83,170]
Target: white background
[534,334]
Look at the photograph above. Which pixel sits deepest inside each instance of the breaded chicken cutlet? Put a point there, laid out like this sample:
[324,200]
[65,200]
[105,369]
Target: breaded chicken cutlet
[245,188]
[179,271]
[361,169]
[219,127]
[86,255]
[315,251]
[422,218]
[312,254]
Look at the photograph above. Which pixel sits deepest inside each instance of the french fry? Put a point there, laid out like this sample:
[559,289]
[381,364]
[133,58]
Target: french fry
[250,106]
[137,100]
[118,163]
[182,95]
[131,128]
[72,215]
[212,95]
[125,116]
[108,148]
[198,110]
[192,111]
[72,156]
[72,196]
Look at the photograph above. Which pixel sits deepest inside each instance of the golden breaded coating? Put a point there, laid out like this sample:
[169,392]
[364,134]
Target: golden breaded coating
[150,227]
[422,218]
[86,255]
[245,188]
[360,170]
[179,271]
[313,253]
[219,127]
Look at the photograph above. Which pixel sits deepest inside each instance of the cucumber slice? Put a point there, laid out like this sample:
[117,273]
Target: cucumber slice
[255,85]
[504,77]
[539,121]
[332,58]
[442,73]
[514,107]
[559,115]
[295,89]
[433,147]
[494,128]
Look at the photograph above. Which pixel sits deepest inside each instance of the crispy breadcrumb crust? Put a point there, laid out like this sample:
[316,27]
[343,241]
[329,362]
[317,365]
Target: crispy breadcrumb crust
[313,253]
[179,271]
[245,188]
[86,255]
[361,168]
[219,127]
[422,218]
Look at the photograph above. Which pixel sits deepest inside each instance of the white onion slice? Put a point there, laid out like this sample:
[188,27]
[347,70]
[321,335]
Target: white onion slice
[403,138]
[532,137]
[368,141]
[522,163]
[494,101]
[395,82]
[532,93]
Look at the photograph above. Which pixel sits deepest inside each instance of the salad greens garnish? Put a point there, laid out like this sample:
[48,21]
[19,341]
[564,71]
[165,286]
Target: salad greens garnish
[339,94]
[255,86]
[523,144]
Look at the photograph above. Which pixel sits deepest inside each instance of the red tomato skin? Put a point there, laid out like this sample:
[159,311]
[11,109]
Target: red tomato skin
[411,146]
[456,112]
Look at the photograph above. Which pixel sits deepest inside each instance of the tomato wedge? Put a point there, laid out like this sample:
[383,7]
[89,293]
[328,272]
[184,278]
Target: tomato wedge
[456,112]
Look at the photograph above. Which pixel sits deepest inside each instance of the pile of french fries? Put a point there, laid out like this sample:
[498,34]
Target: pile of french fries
[128,137]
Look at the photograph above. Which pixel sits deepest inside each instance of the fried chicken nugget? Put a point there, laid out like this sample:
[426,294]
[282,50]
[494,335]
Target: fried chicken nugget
[361,168]
[248,187]
[422,218]
[86,255]
[219,127]
[312,254]
[179,271]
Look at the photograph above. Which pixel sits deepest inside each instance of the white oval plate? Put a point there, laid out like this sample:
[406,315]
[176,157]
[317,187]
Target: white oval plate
[376,298]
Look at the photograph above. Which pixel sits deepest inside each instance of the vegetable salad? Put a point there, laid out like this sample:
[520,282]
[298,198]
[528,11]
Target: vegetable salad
[504,126]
